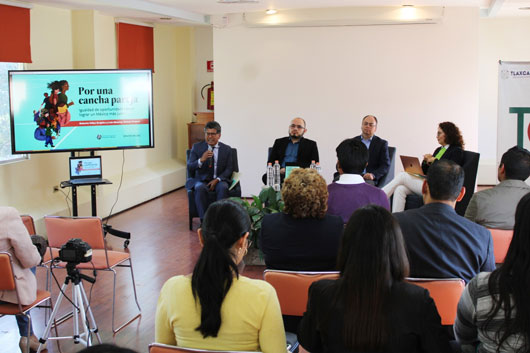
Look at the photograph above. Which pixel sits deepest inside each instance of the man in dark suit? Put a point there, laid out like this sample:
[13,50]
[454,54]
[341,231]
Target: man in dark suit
[440,243]
[210,167]
[294,149]
[378,160]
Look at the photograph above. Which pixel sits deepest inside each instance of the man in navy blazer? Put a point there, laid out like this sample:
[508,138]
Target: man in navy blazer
[210,167]
[440,243]
[378,160]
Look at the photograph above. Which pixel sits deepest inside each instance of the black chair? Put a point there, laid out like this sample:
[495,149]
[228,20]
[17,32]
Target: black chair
[470,166]
[235,192]
[389,176]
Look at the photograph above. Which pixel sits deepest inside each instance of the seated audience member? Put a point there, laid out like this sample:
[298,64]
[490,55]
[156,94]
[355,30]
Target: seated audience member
[294,149]
[451,148]
[378,159]
[370,308]
[441,243]
[495,207]
[302,237]
[494,312]
[215,307]
[351,192]
[14,239]
[106,348]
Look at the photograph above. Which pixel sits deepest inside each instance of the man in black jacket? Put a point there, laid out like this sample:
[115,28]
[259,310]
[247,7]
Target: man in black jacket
[378,160]
[294,149]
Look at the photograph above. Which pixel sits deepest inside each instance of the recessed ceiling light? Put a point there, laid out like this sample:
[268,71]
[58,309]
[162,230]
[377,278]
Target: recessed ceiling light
[166,18]
[525,8]
[271,11]
[407,5]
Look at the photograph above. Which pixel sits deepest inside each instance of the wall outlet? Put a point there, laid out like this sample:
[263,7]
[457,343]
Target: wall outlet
[55,188]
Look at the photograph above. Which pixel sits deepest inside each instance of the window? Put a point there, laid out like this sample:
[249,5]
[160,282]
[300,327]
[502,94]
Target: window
[5,128]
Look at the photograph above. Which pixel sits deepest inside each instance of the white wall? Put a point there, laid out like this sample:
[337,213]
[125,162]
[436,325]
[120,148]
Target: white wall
[411,77]
[500,39]
[203,52]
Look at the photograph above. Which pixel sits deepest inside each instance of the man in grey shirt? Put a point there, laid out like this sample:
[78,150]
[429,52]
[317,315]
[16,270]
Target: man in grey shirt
[495,207]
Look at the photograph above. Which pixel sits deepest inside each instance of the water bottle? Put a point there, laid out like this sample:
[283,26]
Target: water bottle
[276,176]
[313,165]
[318,168]
[270,175]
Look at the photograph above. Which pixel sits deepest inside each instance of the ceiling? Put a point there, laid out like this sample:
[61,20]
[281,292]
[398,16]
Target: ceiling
[197,11]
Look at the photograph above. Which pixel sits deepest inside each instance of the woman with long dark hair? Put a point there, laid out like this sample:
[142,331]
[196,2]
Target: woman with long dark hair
[215,307]
[451,147]
[370,308]
[494,310]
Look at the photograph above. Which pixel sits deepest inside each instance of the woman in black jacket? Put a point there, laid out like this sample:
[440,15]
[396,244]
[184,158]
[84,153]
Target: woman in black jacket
[370,308]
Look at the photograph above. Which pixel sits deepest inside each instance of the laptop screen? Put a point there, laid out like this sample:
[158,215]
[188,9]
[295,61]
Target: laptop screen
[85,167]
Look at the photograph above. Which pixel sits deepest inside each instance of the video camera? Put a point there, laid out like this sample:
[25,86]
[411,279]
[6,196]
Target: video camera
[75,251]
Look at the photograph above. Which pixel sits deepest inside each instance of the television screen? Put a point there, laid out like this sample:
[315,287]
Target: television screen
[80,110]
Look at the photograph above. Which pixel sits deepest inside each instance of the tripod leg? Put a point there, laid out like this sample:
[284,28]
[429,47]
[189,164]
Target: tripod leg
[46,333]
[75,311]
[82,314]
[90,315]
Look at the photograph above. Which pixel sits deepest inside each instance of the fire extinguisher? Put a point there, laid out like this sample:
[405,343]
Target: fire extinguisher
[209,95]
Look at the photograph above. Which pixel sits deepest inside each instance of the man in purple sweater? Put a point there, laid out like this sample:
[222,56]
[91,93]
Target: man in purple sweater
[351,192]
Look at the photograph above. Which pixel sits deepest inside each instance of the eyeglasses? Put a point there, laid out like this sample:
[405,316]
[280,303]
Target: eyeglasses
[294,126]
[211,133]
[369,124]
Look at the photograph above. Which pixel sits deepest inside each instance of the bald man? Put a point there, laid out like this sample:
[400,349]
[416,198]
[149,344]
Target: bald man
[378,159]
[294,149]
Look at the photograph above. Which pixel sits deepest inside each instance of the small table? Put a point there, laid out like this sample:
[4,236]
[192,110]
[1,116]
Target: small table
[68,184]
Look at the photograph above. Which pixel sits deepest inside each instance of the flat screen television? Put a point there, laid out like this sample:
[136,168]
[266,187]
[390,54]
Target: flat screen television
[80,110]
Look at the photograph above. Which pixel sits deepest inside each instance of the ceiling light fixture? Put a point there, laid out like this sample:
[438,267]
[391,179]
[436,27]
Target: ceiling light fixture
[525,8]
[271,11]
[408,12]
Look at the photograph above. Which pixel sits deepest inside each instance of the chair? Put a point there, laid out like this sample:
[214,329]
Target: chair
[470,167]
[389,176]
[445,292]
[292,288]
[90,230]
[7,282]
[235,192]
[29,223]
[164,348]
[501,242]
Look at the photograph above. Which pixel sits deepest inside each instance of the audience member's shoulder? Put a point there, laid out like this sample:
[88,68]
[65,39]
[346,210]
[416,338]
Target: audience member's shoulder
[407,289]
[256,286]
[477,228]
[7,211]
[334,220]
[176,283]
[272,217]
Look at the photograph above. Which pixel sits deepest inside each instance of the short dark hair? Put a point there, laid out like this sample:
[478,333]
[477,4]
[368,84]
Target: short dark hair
[373,116]
[516,163]
[106,348]
[352,155]
[213,125]
[445,179]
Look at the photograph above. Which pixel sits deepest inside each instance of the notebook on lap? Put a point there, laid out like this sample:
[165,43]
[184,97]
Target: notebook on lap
[412,166]
[86,170]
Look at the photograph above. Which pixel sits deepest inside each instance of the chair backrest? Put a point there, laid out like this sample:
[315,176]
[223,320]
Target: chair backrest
[292,288]
[501,242]
[470,166]
[62,229]
[445,292]
[164,348]
[7,278]
[28,222]
[385,179]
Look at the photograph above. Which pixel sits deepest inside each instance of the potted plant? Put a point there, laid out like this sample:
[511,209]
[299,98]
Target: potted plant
[268,201]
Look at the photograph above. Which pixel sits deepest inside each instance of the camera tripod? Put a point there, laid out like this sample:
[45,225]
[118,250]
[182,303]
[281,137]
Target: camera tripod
[79,300]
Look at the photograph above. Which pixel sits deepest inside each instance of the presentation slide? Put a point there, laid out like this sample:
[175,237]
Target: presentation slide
[85,167]
[76,110]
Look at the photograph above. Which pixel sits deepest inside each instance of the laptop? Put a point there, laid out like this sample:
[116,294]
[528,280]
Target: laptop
[412,166]
[85,170]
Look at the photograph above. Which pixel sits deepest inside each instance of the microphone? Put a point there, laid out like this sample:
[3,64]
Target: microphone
[210,162]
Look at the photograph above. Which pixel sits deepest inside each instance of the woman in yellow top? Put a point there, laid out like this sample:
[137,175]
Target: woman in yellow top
[215,307]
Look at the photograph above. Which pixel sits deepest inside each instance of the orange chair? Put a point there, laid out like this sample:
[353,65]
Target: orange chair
[292,288]
[90,230]
[7,282]
[445,292]
[28,222]
[501,242]
[164,348]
